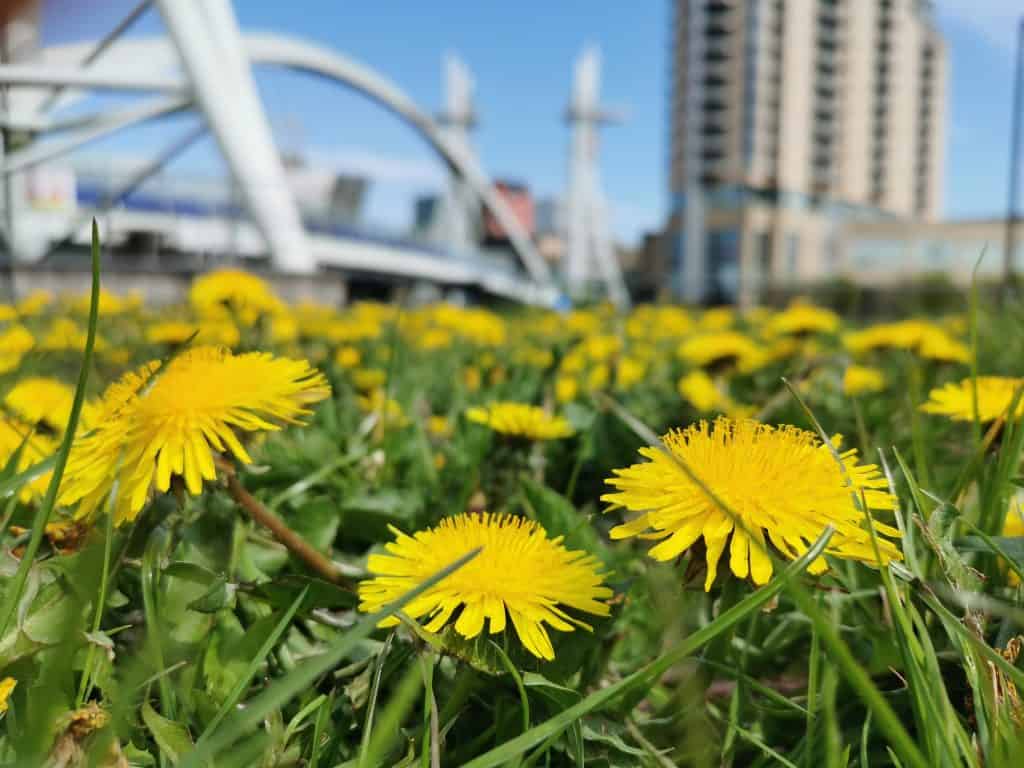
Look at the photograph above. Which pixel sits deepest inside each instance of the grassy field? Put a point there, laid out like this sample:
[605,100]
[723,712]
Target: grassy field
[251,534]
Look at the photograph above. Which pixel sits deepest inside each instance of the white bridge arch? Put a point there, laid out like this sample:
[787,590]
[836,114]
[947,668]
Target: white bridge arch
[156,65]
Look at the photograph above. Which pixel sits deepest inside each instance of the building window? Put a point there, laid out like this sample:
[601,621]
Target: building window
[764,256]
[723,251]
[792,255]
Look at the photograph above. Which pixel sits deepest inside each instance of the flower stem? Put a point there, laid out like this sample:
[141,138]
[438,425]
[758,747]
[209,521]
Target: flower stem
[294,543]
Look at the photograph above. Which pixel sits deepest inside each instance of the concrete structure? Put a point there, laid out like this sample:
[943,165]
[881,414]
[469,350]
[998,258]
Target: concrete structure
[590,255]
[460,225]
[205,64]
[789,120]
[888,251]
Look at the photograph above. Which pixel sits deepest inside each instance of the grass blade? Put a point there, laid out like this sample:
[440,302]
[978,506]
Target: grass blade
[513,748]
[13,594]
[283,690]
[254,665]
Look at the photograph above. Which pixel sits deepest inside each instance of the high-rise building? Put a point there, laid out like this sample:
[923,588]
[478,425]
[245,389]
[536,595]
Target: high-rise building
[788,119]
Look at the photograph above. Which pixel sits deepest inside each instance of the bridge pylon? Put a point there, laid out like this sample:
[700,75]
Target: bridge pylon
[590,252]
[460,207]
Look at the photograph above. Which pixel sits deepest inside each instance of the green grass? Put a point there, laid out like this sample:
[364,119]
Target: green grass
[201,641]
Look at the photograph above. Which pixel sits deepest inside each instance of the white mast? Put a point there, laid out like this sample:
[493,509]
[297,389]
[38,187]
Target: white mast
[590,252]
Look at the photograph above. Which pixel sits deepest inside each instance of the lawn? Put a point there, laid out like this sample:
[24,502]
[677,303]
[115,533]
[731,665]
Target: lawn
[239,532]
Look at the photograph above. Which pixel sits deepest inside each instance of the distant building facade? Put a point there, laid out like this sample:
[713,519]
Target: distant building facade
[789,120]
[889,251]
[520,201]
[551,228]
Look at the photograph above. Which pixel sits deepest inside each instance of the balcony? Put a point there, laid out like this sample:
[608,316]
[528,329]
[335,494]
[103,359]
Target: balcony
[717,29]
[712,105]
[825,114]
[718,53]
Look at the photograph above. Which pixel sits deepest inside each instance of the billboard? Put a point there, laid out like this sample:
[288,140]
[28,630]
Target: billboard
[517,197]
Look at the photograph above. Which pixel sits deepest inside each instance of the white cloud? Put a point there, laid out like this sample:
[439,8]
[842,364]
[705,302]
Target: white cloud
[995,20]
[378,167]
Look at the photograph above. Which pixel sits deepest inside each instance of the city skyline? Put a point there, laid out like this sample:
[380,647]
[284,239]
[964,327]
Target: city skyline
[521,134]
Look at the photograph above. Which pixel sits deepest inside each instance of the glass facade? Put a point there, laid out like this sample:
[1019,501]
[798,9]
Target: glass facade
[792,255]
[723,265]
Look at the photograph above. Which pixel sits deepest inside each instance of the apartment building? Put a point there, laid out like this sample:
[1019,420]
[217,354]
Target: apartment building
[789,119]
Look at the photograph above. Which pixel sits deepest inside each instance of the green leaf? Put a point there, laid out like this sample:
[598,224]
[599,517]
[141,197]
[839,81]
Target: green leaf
[559,517]
[219,596]
[191,572]
[13,593]
[281,592]
[317,522]
[367,515]
[1011,546]
[240,685]
[645,676]
[170,736]
[11,485]
[241,722]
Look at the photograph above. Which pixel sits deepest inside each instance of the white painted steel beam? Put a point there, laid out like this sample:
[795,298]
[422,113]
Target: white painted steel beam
[297,54]
[16,75]
[38,153]
[207,39]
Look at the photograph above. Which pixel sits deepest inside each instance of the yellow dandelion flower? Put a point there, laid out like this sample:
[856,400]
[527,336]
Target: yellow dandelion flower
[7,686]
[566,389]
[656,323]
[348,357]
[7,313]
[109,303]
[803,318]
[519,573]
[597,377]
[472,378]
[927,339]
[521,420]
[477,326]
[535,357]
[284,329]
[435,338]
[582,322]
[390,409]
[629,372]
[41,400]
[65,335]
[439,426]
[956,400]
[721,347]
[168,420]
[938,345]
[16,435]
[699,390]
[236,293]
[366,379]
[862,380]
[574,362]
[15,341]
[349,331]
[34,303]
[1013,526]
[780,481]
[171,332]
[717,318]
[601,348]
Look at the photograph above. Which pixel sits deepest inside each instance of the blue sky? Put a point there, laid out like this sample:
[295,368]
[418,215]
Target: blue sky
[521,55]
